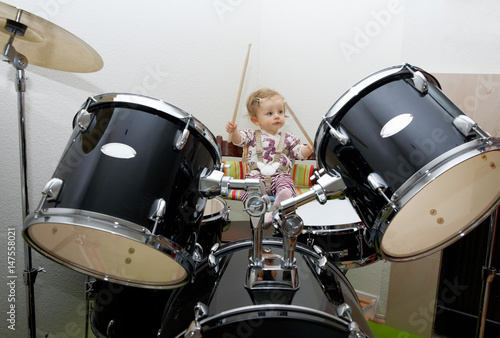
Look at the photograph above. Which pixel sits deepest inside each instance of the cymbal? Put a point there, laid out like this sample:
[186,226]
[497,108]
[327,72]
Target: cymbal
[47,45]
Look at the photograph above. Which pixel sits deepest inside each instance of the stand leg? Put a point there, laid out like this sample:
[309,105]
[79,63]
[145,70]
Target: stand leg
[29,272]
[487,276]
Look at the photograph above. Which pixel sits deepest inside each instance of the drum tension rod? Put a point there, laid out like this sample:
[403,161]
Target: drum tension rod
[157,212]
[200,312]
[339,134]
[378,184]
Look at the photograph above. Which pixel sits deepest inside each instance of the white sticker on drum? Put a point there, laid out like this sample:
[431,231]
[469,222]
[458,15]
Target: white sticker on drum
[395,125]
[118,150]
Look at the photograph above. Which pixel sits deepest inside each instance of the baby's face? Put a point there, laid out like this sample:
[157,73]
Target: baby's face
[270,115]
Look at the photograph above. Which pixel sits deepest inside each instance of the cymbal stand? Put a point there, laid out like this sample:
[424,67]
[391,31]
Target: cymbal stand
[489,273]
[20,62]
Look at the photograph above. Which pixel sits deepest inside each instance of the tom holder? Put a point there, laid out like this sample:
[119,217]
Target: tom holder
[268,271]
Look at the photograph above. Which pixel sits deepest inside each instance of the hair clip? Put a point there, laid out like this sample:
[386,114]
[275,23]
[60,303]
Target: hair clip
[258,99]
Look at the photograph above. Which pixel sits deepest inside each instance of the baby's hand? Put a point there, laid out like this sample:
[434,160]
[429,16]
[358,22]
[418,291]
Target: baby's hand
[231,127]
[307,150]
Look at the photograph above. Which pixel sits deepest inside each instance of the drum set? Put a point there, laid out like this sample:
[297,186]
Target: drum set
[135,203]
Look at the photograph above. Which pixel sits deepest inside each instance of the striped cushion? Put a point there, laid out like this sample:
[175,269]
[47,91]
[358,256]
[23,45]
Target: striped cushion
[237,169]
[301,175]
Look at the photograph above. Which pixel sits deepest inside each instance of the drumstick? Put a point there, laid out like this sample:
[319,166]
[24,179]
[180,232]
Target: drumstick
[239,90]
[298,123]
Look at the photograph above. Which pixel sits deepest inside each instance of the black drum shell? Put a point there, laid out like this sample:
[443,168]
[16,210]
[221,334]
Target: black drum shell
[125,311]
[394,158]
[127,188]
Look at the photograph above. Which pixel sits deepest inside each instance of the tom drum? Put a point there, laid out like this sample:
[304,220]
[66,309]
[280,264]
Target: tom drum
[420,172]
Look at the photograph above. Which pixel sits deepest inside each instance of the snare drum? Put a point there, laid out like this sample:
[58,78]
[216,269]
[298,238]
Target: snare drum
[337,229]
[124,204]
[225,307]
[215,221]
[419,171]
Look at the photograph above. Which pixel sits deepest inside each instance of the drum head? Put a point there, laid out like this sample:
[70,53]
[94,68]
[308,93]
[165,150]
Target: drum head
[110,251]
[446,209]
[215,209]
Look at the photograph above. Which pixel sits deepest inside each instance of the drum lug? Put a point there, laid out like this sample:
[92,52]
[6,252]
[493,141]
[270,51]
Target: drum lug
[466,125]
[84,118]
[183,137]
[344,311]
[50,193]
[213,262]
[198,253]
[339,133]
[420,82]
[378,184]
[157,211]
[200,312]
[322,260]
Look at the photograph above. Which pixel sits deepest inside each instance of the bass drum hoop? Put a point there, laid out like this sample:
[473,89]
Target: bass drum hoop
[162,248]
[274,311]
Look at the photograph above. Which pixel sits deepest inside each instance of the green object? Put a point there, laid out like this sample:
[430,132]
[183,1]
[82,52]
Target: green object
[383,331]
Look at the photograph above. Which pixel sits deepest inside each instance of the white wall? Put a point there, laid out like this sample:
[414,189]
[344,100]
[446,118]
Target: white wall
[190,54]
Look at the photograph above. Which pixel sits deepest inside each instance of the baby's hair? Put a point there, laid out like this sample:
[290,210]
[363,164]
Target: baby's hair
[257,96]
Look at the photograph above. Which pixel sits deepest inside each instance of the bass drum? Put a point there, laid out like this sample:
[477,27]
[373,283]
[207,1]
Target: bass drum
[420,173]
[123,204]
[225,307]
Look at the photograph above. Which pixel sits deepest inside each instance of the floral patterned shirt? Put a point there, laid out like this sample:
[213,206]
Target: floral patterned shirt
[269,145]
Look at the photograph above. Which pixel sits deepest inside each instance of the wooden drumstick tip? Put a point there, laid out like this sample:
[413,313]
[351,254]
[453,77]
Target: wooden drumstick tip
[238,97]
[287,106]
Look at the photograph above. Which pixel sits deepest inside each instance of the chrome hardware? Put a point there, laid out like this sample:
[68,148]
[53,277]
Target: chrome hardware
[200,312]
[50,193]
[198,253]
[339,133]
[317,174]
[157,212]
[292,226]
[84,118]
[466,125]
[420,82]
[212,260]
[16,28]
[378,184]
[344,311]
[256,205]
[322,260]
[183,137]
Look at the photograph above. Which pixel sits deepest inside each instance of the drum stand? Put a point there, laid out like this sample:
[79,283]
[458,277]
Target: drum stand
[489,273]
[20,62]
